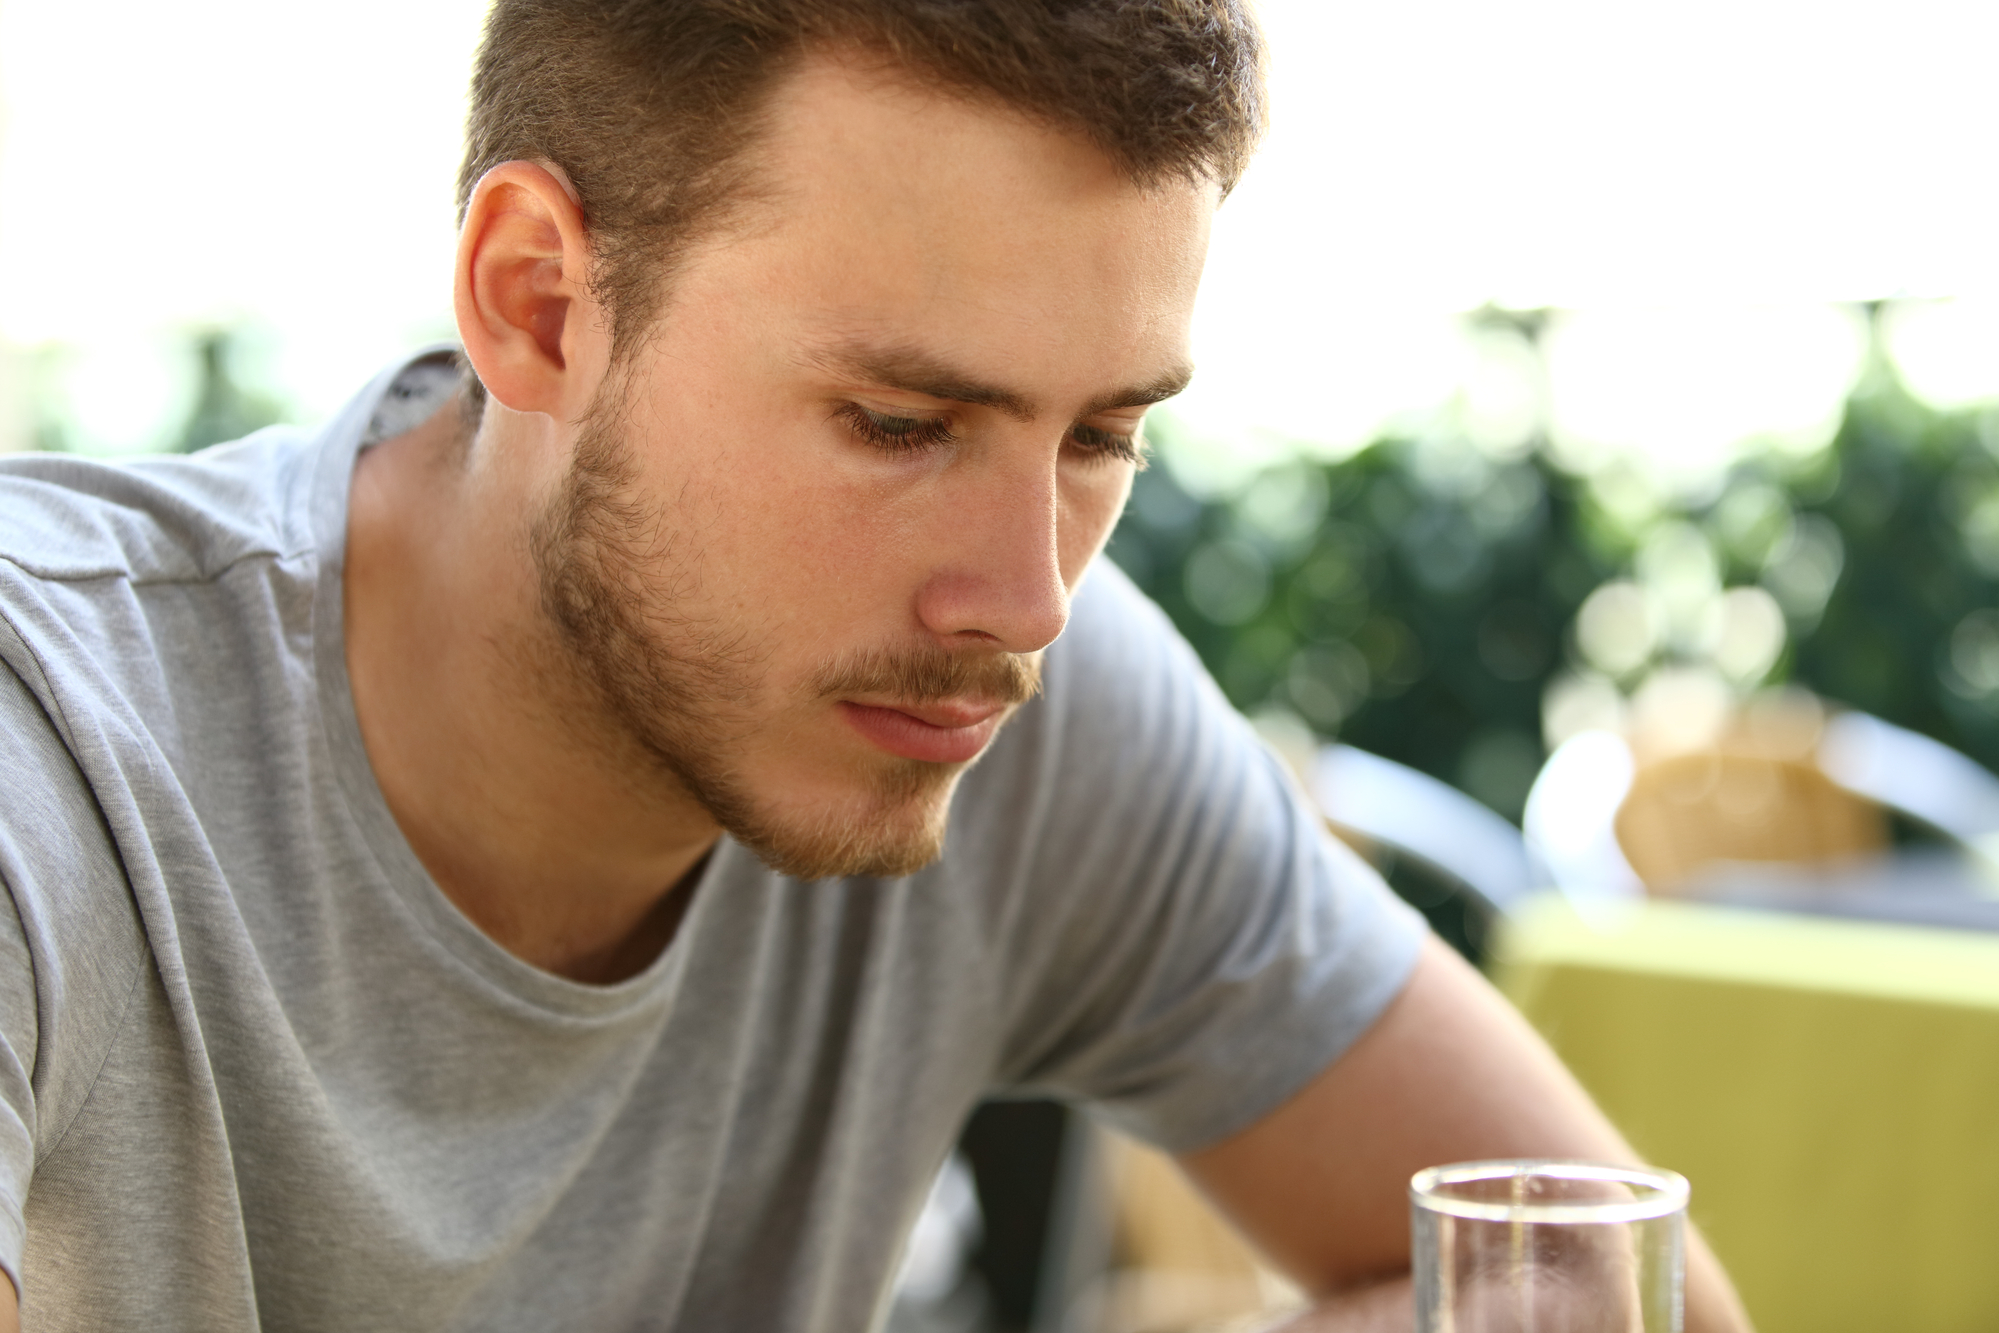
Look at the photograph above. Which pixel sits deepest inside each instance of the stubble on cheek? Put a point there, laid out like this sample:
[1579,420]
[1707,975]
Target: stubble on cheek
[678,698]
[614,572]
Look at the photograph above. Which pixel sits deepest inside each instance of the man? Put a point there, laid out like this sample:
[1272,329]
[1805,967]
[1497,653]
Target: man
[520,863]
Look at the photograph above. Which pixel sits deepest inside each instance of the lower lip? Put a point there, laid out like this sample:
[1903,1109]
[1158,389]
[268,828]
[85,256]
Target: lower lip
[900,734]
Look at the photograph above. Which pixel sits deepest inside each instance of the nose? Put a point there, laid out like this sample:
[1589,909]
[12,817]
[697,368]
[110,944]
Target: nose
[997,576]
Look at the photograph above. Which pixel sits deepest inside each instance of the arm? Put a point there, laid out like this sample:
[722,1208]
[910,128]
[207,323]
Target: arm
[1449,1073]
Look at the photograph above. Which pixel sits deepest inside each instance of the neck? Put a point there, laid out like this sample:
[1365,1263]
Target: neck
[533,813]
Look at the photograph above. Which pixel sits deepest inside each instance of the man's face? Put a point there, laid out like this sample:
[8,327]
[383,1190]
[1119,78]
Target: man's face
[823,521]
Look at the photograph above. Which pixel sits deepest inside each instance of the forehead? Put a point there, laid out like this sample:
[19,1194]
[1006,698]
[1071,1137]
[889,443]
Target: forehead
[882,201]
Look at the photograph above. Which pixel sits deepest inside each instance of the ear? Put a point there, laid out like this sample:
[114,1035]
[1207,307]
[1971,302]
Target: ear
[521,292]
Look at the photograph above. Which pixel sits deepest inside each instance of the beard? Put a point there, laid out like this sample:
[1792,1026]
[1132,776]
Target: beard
[615,576]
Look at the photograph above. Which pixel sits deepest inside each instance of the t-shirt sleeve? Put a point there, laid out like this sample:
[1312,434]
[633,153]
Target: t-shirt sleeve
[23,736]
[69,945]
[17,1098]
[1192,946]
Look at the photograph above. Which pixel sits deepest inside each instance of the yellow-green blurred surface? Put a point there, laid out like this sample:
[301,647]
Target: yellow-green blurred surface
[1831,1088]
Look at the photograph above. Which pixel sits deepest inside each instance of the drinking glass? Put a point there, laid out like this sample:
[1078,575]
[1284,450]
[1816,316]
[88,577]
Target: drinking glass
[1548,1247]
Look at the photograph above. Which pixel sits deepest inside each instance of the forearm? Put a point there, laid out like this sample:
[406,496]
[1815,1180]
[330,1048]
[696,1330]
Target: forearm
[1449,1073]
[1712,1305]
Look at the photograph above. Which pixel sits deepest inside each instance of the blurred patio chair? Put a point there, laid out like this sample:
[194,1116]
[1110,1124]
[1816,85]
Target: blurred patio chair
[1379,801]
[1810,1075]
[1915,775]
[1792,813]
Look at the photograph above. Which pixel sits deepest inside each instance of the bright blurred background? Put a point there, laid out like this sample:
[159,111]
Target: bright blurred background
[1564,367]
[1545,346]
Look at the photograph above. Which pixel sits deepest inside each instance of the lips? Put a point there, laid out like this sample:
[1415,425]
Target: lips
[943,733]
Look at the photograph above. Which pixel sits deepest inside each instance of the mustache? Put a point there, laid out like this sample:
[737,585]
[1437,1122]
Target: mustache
[925,676]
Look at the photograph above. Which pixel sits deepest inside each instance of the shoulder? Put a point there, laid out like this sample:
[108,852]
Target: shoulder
[1113,625]
[56,848]
[124,586]
[1128,791]
[1130,702]
[1181,940]
[154,519]
[1121,664]
[73,917]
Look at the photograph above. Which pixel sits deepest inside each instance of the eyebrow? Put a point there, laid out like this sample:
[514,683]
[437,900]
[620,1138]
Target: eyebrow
[908,370]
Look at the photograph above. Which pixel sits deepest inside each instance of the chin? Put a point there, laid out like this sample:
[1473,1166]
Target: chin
[894,830]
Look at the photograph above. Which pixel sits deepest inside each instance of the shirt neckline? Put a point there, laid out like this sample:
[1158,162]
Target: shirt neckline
[336,449]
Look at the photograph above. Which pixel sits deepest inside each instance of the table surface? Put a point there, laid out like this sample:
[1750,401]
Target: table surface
[1830,1087]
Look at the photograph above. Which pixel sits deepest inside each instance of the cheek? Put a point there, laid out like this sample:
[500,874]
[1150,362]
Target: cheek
[1091,506]
[805,552]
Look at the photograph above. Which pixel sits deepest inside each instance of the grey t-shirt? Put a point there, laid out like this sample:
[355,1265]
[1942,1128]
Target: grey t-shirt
[256,1071]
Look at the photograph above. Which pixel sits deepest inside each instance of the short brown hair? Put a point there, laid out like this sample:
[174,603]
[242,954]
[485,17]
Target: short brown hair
[648,104]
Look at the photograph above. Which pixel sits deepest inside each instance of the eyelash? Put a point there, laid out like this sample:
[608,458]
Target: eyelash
[896,435]
[1110,444]
[907,435]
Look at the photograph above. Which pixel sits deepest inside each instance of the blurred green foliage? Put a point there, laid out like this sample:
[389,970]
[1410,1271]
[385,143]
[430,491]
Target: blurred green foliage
[216,366]
[1419,599]
[224,408]
[1909,631]
[1412,598]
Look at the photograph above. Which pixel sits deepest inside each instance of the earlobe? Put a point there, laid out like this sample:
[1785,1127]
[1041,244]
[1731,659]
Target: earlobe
[521,291]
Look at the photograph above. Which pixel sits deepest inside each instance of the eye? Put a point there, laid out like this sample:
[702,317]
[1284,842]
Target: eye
[893,434]
[1109,444]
